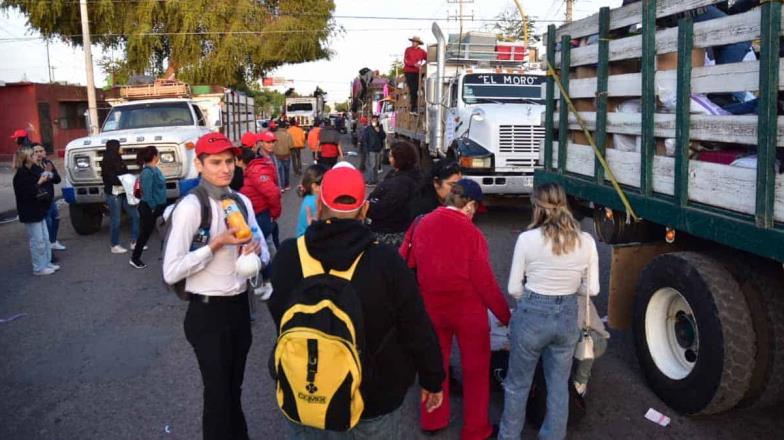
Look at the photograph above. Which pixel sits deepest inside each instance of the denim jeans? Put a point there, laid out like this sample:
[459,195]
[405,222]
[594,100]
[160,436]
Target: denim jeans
[385,427]
[40,247]
[116,203]
[282,166]
[374,163]
[727,53]
[53,221]
[546,326]
[270,230]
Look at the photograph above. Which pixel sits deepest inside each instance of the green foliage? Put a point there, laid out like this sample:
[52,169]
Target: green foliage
[341,107]
[395,69]
[205,41]
[268,103]
[508,26]
[327,109]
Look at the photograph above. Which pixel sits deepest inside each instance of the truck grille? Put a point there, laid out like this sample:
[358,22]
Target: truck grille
[519,138]
[129,155]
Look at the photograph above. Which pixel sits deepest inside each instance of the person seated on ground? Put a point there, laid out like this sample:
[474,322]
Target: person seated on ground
[413,59]
[389,202]
[436,186]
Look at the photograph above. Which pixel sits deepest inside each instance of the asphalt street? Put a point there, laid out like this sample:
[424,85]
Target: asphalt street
[99,353]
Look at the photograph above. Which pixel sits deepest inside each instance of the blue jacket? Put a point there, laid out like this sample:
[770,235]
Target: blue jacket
[153,187]
[373,140]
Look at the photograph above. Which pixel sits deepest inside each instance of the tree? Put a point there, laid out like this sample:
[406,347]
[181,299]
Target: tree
[267,102]
[327,109]
[395,69]
[341,107]
[203,41]
[508,26]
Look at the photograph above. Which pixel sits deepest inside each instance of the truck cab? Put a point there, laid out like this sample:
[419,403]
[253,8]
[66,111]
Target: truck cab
[305,110]
[172,125]
[493,128]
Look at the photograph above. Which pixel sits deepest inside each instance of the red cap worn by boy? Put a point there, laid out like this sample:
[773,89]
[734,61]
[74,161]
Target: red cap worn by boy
[214,143]
[249,139]
[343,189]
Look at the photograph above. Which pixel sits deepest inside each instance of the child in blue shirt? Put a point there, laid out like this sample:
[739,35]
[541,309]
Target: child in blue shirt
[310,190]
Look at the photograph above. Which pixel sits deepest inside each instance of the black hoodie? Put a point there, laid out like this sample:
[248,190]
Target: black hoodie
[390,300]
[389,210]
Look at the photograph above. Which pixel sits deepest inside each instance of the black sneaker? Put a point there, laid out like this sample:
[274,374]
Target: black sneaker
[137,264]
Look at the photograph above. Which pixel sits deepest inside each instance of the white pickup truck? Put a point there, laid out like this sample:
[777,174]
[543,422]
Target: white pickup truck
[172,125]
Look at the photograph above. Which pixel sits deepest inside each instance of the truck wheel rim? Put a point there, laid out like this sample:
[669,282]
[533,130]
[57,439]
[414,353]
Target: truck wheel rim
[671,333]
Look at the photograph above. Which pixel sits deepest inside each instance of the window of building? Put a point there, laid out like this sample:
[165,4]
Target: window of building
[71,115]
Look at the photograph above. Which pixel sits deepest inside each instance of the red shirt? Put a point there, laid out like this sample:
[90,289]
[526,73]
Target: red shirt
[329,150]
[411,57]
[453,266]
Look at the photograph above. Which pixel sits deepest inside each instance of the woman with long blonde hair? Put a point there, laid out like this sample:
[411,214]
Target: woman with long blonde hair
[32,205]
[554,258]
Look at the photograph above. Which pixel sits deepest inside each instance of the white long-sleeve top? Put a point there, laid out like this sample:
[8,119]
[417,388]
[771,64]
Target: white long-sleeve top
[206,273]
[548,274]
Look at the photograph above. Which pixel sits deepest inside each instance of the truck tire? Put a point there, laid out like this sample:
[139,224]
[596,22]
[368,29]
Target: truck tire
[762,284]
[693,333]
[86,219]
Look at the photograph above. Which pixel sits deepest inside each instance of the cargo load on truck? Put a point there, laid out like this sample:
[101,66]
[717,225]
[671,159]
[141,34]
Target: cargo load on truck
[668,133]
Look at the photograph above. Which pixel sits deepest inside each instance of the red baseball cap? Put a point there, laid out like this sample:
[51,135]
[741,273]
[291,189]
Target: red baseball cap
[267,136]
[340,182]
[273,125]
[363,120]
[20,133]
[249,139]
[214,143]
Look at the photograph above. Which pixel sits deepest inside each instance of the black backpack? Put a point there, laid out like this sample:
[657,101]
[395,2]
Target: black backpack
[202,235]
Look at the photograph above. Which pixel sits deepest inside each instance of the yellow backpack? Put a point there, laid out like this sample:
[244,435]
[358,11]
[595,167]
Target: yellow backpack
[317,355]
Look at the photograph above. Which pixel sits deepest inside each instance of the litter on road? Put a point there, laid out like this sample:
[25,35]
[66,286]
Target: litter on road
[12,318]
[657,417]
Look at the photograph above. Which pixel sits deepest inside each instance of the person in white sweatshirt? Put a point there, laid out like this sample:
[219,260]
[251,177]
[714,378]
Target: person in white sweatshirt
[551,261]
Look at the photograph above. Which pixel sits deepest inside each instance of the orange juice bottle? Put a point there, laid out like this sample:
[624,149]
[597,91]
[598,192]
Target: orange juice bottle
[234,219]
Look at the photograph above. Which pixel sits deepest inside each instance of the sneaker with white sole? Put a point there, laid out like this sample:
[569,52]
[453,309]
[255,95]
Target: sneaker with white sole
[138,264]
[53,267]
[264,291]
[581,388]
[133,246]
[117,249]
[57,246]
[45,271]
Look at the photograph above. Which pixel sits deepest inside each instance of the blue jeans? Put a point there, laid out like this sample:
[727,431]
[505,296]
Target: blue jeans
[40,247]
[282,166]
[546,326]
[53,221]
[373,164]
[727,53]
[116,203]
[385,427]
[270,229]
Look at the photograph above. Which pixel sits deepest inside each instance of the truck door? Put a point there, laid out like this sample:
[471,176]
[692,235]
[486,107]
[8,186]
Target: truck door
[452,124]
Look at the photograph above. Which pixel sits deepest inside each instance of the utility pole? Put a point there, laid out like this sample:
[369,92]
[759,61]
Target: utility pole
[569,10]
[48,62]
[92,107]
[524,19]
[460,15]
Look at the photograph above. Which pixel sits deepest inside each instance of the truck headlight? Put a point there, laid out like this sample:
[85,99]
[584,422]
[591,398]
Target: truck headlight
[82,162]
[476,162]
[167,157]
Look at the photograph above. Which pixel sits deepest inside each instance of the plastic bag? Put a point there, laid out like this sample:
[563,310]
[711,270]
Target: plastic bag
[625,142]
[128,180]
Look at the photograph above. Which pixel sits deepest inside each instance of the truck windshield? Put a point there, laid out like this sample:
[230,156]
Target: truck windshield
[164,114]
[299,107]
[503,88]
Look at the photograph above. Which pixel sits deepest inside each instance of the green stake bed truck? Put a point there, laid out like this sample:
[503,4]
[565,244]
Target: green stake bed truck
[697,242]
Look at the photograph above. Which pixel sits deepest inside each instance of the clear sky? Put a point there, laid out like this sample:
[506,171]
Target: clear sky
[366,42]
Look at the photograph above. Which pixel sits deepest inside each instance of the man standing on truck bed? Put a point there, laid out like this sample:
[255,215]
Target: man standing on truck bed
[413,58]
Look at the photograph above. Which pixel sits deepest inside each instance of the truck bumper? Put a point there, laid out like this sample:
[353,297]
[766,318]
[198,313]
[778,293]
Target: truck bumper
[504,184]
[85,194]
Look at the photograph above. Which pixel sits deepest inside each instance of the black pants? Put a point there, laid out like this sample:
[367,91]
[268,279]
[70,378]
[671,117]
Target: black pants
[296,160]
[328,162]
[147,218]
[412,79]
[219,333]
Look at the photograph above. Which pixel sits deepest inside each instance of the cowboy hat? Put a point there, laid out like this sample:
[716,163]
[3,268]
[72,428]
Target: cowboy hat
[416,39]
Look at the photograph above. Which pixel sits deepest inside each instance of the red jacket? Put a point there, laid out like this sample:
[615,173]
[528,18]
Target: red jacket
[411,57]
[453,266]
[261,186]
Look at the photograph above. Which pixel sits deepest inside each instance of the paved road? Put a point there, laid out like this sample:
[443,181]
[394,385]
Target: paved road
[101,354]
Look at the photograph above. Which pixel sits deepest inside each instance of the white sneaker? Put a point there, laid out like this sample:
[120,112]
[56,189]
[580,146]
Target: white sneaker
[57,246]
[264,291]
[133,246]
[53,267]
[118,249]
[44,271]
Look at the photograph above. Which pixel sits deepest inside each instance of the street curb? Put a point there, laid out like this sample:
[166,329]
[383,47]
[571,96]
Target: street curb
[11,213]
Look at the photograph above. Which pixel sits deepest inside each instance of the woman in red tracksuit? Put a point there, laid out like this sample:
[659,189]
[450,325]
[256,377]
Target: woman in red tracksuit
[261,186]
[457,283]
